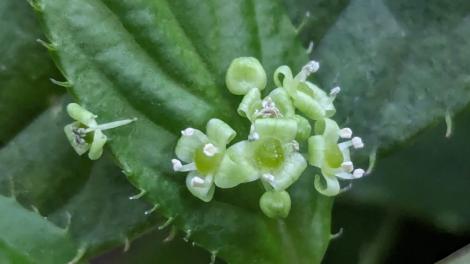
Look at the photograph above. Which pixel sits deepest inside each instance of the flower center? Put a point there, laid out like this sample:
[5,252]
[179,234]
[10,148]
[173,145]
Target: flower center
[206,164]
[269,153]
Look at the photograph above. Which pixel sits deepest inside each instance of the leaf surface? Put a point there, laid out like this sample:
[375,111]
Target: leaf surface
[164,62]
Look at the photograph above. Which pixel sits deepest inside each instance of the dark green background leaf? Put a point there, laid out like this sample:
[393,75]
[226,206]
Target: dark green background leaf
[25,69]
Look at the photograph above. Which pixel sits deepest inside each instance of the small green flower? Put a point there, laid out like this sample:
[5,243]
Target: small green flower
[332,158]
[273,156]
[277,134]
[208,161]
[306,96]
[86,134]
[244,74]
[275,204]
[276,104]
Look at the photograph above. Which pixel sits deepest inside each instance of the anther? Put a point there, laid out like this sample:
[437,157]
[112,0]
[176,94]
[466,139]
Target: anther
[357,142]
[210,150]
[176,164]
[268,177]
[358,173]
[197,182]
[345,132]
[311,67]
[348,166]
[187,132]
[335,91]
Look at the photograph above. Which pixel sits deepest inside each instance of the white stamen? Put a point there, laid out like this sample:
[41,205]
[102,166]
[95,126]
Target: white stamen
[210,150]
[176,164]
[347,166]
[187,132]
[358,173]
[345,133]
[311,67]
[197,182]
[111,125]
[335,91]
[357,142]
[268,177]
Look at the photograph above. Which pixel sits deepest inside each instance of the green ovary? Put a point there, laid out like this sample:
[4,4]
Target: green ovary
[205,164]
[269,153]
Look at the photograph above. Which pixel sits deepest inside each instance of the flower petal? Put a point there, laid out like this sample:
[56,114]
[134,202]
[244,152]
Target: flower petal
[308,106]
[328,187]
[82,115]
[316,151]
[303,128]
[328,128]
[200,186]
[188,143]
[96,148]
[283,102]
[219,133]
[287,76]
[235,167]
[290,171]
[249,104]
[284,129]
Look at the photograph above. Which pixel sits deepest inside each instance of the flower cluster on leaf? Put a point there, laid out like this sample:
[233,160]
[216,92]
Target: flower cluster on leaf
[281,125]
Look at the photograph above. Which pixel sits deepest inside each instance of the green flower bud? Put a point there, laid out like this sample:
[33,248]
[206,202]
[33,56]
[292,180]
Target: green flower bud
[275,204]
[243,74]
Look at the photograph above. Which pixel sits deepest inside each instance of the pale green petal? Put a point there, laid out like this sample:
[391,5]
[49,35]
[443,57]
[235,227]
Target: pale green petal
[308,106]
[235,167]
[283,102]
[204,191]
[328,186]
[320,96]
[275,204]
[282,76]
[244,74]
[316,151]
[284,129]
[96,148]
[290,171]
[303,128]
[187,145]
[79,148]
[82,115]
[328,128]
[219,133]
[333,155]
[249,104]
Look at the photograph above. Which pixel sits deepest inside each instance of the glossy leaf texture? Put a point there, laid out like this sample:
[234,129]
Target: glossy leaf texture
[401,66]
[88,201]
[25,69]
[164,62]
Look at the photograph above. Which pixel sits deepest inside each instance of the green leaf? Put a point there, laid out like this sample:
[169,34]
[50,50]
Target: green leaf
[164,62]
[25,69]
[430,176]
[90,200]
[156,246]
[29,238]
[401,65]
